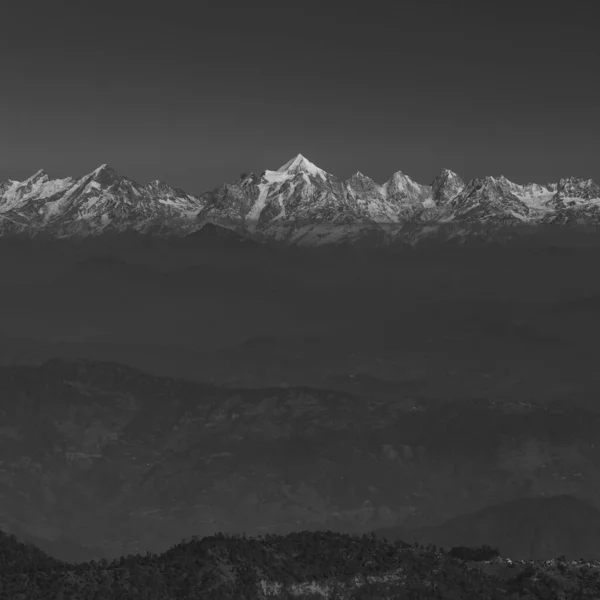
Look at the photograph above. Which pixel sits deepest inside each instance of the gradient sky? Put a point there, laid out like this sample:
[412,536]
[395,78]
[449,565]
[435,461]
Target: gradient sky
[195,95]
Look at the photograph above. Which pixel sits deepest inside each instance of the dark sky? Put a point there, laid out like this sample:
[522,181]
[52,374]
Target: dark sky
[197,92]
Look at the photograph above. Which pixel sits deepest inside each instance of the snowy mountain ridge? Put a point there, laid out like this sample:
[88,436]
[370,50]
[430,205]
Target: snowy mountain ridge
[297,203]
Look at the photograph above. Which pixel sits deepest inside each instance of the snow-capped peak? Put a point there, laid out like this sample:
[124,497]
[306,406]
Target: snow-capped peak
[579,181]
[446,186]
[102,169]
[105,176]
[402,180]
[504,181]
[37,175]
[298,203]
[299,164]
[157,184]
[449,174]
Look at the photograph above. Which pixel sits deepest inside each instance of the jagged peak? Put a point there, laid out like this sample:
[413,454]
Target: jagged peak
[103,168]
[447,185]
[532,184]
[477,182]
[105,175]
[499,184]
[503,180]
[295,162]
[37,175]
[400,176]
[300,164]
[360,179]
[445,176]
[575,180]
[577,185]
[359,175]
[485,181]
[157,183]
[448,173]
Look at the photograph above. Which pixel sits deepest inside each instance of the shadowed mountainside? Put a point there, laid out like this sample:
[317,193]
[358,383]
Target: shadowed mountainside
[105,456]
[300,565]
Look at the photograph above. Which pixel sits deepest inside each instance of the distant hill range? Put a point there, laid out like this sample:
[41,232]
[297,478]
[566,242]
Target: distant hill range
[299,204]
[525,528]
[100,459]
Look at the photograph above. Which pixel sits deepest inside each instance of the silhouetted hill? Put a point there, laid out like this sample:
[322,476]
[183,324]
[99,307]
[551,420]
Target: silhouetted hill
[16,555]
[62,548]
[537,528]
[299,565]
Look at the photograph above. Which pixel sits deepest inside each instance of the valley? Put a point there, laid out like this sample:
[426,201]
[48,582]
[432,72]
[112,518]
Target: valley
[155,389]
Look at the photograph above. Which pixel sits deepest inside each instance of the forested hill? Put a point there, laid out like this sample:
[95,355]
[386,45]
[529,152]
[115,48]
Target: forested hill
[299,565]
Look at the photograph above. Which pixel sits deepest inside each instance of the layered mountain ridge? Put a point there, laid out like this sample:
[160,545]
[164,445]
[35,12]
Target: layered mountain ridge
[100,201]
[104,459]
[298,203]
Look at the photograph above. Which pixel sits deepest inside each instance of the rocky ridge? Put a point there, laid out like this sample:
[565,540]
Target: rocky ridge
[299,203]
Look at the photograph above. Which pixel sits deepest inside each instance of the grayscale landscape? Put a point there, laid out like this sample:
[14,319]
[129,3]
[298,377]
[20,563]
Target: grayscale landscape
[299,301]
[198,381]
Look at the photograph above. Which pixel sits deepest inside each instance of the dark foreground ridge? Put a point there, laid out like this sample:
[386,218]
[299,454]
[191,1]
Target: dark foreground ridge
[304,564]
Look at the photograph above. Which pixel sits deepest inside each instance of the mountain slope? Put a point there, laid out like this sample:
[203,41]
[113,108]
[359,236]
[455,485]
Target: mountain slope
[541,527]
[300,565]
[299,204]
[302,204]
[98,202]
[108,457]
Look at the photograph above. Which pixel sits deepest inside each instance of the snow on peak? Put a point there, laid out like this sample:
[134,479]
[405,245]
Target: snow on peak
[299,164]
[402,178]
[100,169]
[579,181]
[104,171]
[37,175]
[503,179]
[448,173]
[158,184]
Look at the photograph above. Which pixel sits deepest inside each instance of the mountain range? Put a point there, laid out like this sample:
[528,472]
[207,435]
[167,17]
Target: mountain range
[299,204]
